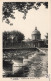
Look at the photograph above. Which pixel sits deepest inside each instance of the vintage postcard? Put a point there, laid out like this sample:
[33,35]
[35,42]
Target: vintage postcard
[25,40]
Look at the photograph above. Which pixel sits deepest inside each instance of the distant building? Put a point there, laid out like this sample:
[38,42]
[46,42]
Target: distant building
[36,35]
[36,40]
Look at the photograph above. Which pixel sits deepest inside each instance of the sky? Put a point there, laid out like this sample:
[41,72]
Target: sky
[34,18]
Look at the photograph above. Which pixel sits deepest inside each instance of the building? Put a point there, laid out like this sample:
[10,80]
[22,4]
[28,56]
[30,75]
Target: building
[36,40]
[36,35]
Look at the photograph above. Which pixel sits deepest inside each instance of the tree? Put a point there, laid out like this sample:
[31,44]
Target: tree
[11,38]
[4,38]
[24,7]
[18,37]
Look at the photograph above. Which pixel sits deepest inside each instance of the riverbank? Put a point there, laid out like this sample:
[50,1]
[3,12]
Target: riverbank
[34,65]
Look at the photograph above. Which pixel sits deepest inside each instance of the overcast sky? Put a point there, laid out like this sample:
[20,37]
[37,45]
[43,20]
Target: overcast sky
[35,18]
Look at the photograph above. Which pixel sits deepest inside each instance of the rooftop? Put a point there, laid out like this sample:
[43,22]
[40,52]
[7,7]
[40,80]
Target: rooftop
[36,31]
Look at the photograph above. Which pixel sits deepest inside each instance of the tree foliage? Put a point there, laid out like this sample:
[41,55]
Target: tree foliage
[13,37]
[9,7]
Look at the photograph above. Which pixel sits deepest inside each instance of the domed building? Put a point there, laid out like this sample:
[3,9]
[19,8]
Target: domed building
[36,35]
[36,40]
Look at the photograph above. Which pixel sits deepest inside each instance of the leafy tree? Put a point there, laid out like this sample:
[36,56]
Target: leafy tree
[11,38]
[18,37]
[24,7]
[4,38]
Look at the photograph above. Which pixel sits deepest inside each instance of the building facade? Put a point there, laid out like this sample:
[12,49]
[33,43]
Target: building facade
[36,35]
[36,40]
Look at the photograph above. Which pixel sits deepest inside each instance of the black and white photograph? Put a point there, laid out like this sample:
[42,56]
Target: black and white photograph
[25,39]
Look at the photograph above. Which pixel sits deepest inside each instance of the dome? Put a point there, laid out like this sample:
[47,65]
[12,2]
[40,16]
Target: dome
[36,31]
